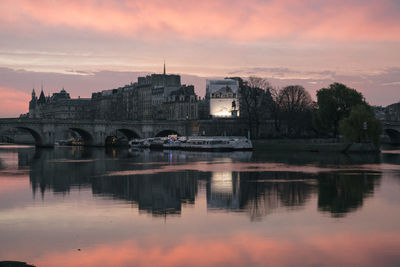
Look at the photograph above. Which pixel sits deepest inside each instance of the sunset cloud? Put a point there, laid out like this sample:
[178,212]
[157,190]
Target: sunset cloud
[235,20]
[243,249]
[12,101]
[93,45]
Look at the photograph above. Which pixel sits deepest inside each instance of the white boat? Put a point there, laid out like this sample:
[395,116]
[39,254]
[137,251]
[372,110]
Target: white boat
[153,143]
[195,143]
[139,143]
[216,143]
[174,142]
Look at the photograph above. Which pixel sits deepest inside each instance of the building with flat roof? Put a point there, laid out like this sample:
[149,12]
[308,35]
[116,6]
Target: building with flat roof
[223,98]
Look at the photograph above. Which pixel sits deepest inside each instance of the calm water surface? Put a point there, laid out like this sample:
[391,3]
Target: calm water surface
[95,207]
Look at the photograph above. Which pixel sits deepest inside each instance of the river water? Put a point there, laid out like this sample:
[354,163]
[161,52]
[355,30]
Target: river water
[72,206]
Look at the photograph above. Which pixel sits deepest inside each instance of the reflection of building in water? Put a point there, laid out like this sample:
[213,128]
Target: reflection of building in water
[223,191]
[257,193]
[156,194]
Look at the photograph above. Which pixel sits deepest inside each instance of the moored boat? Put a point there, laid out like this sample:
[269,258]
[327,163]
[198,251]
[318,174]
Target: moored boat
[195,143]
[217,143]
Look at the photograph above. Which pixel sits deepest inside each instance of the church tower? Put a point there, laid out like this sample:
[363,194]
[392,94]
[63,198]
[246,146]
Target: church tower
[32,105]
[164,69]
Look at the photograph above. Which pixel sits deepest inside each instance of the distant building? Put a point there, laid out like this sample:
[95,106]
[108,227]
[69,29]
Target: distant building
[203,109]
[379,112]
[223,97]
[152,97]
[392,112]
[181,104]
[75,109]
[33,106]
[58,106]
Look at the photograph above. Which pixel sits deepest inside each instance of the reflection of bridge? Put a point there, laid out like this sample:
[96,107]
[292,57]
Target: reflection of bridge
[94,133]
[392,129]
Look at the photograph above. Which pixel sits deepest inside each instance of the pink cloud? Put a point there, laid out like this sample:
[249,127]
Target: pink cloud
[243,249]
[13,102]
[235,20]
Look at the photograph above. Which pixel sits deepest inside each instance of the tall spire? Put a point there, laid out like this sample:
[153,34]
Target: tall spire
[164,67]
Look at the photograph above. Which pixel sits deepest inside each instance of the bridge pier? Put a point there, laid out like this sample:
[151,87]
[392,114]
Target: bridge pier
[99,136]
[47,135]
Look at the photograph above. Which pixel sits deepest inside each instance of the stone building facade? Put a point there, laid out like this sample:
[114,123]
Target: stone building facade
[147,99]
[59,106]
[182,104]
[223,97]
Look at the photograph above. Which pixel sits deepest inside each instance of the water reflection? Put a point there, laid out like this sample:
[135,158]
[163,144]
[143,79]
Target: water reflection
[205,209]
[162,192]
[159,195]
[343,193]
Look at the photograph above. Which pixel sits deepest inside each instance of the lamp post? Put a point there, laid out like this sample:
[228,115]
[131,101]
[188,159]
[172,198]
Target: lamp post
[365,128]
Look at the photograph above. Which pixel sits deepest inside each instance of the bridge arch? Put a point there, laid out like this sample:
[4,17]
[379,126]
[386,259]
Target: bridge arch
[35,134]
[129,133]
[120,136]
[393,134]
[167,132]
[86,135]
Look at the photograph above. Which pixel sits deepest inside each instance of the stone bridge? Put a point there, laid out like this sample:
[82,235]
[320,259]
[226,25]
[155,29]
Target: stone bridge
[392,129]
[95,133]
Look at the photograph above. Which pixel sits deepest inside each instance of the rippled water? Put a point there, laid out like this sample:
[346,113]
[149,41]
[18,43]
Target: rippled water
[95,207]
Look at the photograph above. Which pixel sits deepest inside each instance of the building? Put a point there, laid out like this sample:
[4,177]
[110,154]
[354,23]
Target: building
[58,106]
[147,99]
[182,104]
[392,112]
[76,109]
[223,97]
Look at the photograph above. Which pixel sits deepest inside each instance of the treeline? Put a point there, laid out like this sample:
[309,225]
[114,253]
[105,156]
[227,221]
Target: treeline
[339,111]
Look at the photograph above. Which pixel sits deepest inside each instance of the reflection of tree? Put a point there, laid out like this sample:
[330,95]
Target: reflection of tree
[260,193]
[294,193]
[343,193]
[269,191]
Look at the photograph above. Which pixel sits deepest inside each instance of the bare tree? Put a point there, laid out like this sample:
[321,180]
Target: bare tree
[295,105]
[255,98]
[275,108]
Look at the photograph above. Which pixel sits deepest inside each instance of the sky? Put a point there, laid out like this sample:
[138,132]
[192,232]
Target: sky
[93,45]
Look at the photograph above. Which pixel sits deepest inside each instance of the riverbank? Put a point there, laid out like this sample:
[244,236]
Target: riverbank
[313,145]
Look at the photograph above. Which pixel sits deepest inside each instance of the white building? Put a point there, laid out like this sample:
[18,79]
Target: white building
[223,97]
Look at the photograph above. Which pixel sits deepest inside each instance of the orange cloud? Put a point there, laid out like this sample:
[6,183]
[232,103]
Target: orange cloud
[13,102]
[351,249]
[235,20]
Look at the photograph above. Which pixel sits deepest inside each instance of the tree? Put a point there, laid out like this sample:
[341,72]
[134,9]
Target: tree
[254,101]
[275,108]
[361,125]
[334,104]
[295,105]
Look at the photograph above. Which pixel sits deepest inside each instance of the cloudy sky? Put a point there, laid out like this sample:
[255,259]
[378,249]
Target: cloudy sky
[92,45]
